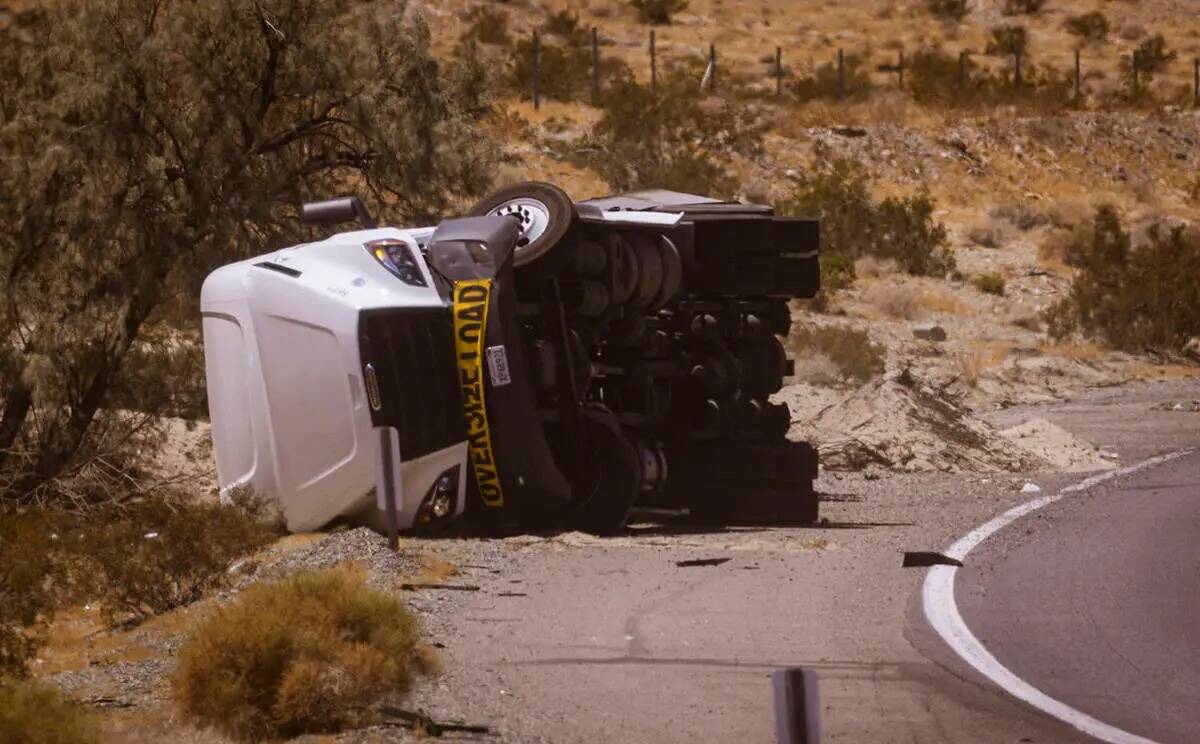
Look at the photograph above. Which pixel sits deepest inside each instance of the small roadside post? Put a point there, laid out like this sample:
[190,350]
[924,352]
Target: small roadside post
[797,706]
[537,53]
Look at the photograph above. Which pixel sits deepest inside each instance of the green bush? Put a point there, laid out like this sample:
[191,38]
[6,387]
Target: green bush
[1135,299]
[310,654]
[159,553]
[658,11]
[854,225]
[992,284]
[1092,27]
[36,714]
[947,10]
[672,140]
[856,357]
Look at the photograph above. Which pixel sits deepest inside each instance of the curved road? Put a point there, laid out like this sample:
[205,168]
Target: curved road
[1095,600]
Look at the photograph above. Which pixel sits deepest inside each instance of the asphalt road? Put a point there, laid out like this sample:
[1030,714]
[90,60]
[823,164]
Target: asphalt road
[1096,601]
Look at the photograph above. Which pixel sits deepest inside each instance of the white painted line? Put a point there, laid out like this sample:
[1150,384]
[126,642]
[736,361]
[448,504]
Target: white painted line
[942,611]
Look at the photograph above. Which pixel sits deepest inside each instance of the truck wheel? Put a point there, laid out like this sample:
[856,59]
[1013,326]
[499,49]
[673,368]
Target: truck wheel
[548,220]
[614,477]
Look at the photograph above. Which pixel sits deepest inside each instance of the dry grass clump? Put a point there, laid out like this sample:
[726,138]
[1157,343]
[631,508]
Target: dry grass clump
[895,300]
[992,284]
[30,574]
[310,654]
[487,25]
[1023,7]
[1021,215]
[564,61]
[160,553]
[37,714]
[943,303]
[989,233]
[850,351]
[934,78]
[947,10]
[1135,299]
[871,267]
[977,361]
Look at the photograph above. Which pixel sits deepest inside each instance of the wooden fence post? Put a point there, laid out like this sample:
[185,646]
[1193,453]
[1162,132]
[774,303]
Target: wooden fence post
[1078,77]
[841,76]
[1196,82]
[595,66]
[653,67]
[779,70]
[537,49]
[712,62]
[1017,67]
[900,70]
[962,69]
[1133,63]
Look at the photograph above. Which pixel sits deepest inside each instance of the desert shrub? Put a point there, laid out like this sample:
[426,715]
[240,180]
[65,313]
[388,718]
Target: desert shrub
[487,25]
[1152,56]
[851,350]
[853,224]
[162,552]
[992,284]
[309,654]
[672,140]
[989,233]
[564,61]
[32,713]
[1021,215]
[30,568]
[947,10]
[1023,7]
[822,83]
[933,79]
[658,11]
[895,300]
[1089,27]
[1008,40]
[1136,299]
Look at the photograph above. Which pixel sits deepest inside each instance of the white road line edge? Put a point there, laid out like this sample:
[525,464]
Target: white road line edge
[942,611]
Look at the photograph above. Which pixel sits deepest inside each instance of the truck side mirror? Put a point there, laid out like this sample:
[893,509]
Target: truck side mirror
[336,212]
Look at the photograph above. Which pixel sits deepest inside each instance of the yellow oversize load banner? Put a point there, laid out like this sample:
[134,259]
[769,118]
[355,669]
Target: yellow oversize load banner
[471,298]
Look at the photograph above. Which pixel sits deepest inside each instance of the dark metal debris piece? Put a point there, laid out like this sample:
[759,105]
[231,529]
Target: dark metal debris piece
[453,587]
[701,562]
[923,559]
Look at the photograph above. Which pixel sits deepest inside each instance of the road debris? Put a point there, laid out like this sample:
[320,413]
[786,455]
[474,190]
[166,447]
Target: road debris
[1031,488]
[923,559]
[701,562]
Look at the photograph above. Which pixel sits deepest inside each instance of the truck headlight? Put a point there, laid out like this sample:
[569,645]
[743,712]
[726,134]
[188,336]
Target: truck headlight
[397,257]
[441,502]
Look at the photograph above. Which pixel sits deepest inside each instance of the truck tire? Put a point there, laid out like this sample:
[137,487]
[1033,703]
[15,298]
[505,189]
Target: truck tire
[615,476]
[548,220]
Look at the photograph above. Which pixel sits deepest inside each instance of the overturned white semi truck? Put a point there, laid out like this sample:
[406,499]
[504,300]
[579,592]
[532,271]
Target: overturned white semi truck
[540,362]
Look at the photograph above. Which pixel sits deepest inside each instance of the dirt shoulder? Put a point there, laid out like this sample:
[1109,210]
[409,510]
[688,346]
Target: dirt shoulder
[568,637]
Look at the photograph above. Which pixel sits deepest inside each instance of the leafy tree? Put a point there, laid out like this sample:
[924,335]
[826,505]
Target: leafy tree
[144,142]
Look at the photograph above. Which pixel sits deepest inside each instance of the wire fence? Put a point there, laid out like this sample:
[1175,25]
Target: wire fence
[1135,70]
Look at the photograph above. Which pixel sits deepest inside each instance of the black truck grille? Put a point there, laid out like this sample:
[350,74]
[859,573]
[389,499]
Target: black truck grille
[411,353]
